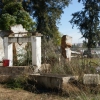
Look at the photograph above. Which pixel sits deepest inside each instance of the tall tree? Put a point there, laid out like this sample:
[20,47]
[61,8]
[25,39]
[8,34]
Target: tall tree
[88,21]
[1,6]
[46,13]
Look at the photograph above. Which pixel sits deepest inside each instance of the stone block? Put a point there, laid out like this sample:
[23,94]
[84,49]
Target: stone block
[91,79]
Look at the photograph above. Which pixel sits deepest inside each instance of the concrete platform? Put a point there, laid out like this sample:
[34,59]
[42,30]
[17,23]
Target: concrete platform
[51,81]
[7,73]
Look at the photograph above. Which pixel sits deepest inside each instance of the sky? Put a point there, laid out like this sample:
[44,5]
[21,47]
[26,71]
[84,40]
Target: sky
[65,27]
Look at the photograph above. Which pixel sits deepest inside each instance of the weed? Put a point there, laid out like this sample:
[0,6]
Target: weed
[18,82]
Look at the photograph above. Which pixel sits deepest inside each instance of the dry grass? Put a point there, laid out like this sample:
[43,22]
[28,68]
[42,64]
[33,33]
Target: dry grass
[18,94]
[9,94]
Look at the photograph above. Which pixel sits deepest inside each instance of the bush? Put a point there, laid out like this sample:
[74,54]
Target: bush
[16,83]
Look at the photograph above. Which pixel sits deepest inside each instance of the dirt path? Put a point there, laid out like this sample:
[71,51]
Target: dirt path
[9,94]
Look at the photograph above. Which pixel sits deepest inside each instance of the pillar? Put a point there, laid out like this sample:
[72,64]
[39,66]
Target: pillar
[36,52]
[68,53]
[8,51]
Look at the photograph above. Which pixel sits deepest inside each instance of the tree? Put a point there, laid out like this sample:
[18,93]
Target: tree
[13,13]
[46,13]
[1,5]
[87,21]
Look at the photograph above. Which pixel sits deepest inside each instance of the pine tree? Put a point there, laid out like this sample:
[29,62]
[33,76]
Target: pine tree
[87,21]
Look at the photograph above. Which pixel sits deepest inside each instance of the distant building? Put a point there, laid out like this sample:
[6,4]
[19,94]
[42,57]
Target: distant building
[77,45]
[80,44]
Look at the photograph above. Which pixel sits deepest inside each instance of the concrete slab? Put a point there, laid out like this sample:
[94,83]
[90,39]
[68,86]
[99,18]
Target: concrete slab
[91,79]
[51,81]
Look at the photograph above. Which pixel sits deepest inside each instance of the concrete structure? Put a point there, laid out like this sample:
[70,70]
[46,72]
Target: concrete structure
[9,73]
[1,49]
[17,34]
[36,49]
[66,43]
[91,79]
[17,29]
[8,51]
[68,53]
[43,81]
[51,81]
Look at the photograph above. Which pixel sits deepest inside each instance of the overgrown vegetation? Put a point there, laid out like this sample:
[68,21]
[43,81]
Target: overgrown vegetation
[51,54]
[47,13]
[17,83]
[78,66]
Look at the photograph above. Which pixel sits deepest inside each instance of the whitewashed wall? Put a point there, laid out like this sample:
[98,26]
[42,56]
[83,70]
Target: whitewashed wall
[1,49]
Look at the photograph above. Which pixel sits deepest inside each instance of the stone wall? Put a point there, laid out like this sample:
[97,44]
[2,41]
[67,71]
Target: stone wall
[7,73]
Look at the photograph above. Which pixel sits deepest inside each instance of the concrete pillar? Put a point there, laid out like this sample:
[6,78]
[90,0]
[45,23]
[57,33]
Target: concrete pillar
[8,51]
[1,49]
[36,52]
[68,53]
[66,43]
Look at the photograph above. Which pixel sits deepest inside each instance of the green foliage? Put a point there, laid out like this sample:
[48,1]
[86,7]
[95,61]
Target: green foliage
[16,83]
[57,38]
[13,13]
[12,7]
[46,13]
[6,20]
[25,56]
[24,19]
[87,21]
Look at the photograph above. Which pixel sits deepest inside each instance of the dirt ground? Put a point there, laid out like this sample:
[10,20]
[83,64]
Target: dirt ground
[18,94]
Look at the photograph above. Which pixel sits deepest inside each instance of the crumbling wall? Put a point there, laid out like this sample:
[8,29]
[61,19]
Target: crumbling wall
[66,42]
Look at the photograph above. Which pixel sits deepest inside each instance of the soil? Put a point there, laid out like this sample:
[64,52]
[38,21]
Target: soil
[19,94]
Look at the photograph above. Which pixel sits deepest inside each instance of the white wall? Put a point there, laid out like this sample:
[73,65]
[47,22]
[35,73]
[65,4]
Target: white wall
[1,49]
